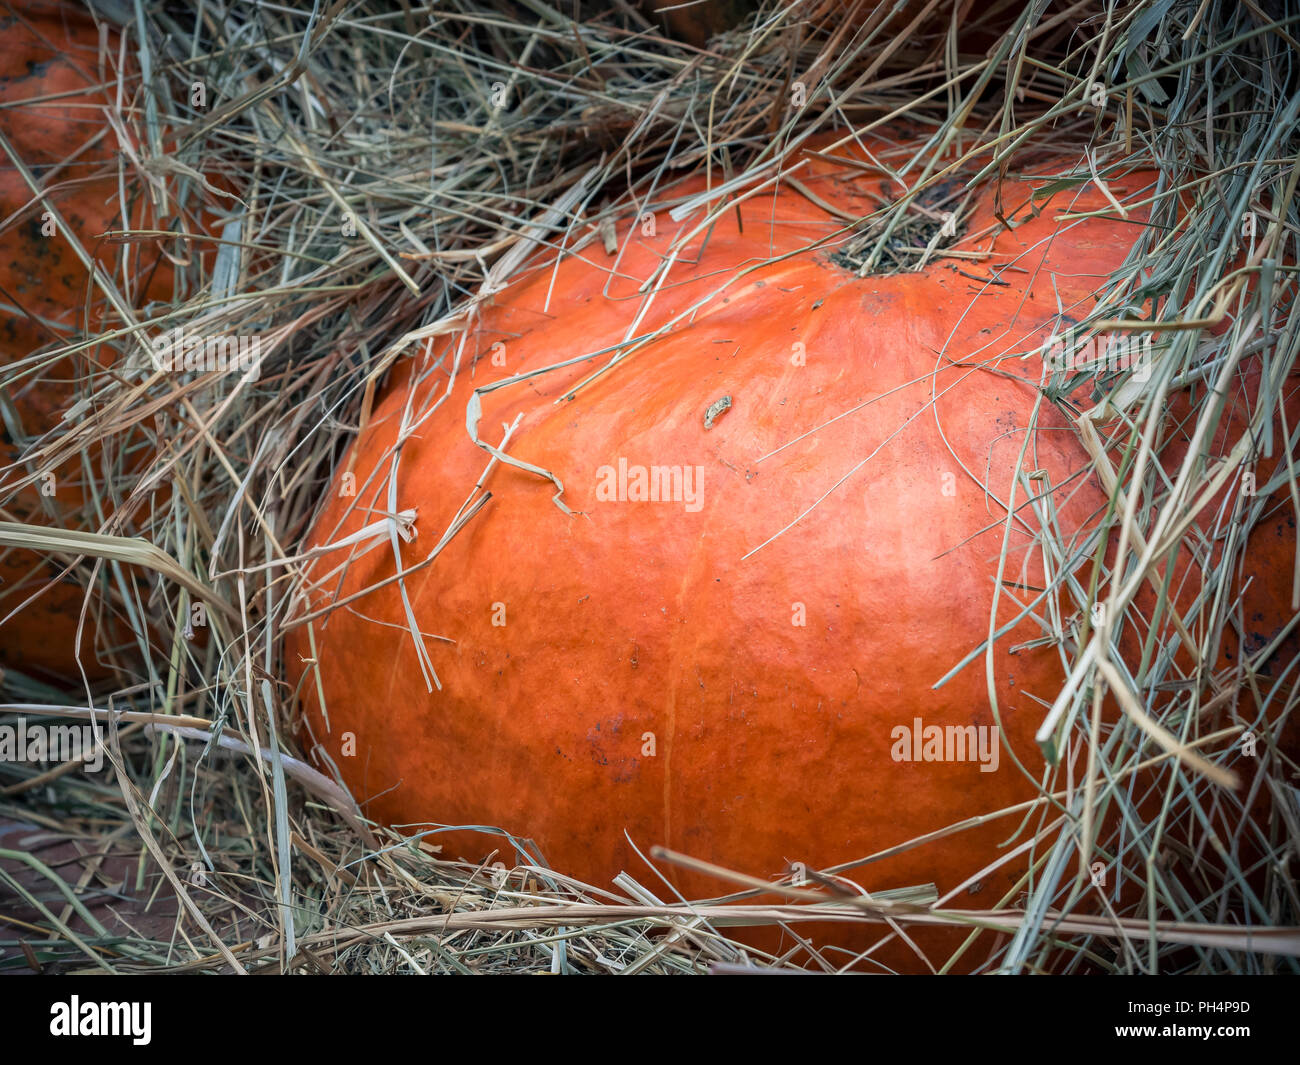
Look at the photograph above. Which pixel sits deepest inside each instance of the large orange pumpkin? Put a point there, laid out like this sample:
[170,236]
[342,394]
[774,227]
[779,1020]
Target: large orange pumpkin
[782,540]
[50,68]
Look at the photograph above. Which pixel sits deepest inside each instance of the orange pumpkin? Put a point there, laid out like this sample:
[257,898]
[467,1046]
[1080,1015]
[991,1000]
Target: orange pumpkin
[50,67]
[782,541]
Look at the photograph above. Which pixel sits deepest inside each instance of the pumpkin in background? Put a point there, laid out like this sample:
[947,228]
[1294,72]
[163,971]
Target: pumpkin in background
[728,672]
[50,69]
[701,20]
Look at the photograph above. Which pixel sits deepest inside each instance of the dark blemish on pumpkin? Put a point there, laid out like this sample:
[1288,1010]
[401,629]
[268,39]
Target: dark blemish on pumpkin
[625,768]
[1256,642]
[40,243]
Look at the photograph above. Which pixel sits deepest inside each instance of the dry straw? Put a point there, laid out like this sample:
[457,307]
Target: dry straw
[372,170]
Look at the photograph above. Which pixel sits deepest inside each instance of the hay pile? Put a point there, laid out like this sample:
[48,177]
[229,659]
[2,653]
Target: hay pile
[365,171]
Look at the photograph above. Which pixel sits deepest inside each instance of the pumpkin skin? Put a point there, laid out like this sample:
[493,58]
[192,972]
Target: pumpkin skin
[53,49]
[642,622]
